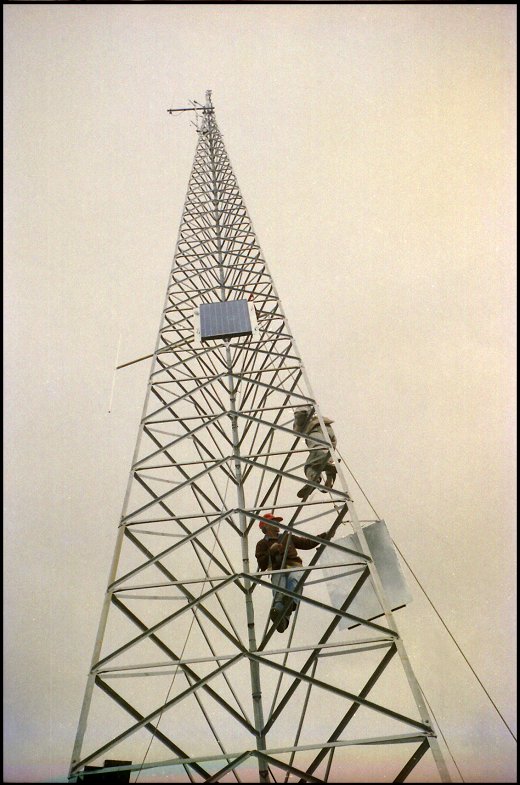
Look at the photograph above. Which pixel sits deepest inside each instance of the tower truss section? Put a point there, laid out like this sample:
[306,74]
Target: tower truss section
[190,678]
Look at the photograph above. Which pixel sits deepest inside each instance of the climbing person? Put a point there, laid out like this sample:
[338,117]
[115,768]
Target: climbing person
[270,552]
[319,460]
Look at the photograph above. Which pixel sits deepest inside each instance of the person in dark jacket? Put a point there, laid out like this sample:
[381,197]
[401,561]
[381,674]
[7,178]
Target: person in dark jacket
[270,551]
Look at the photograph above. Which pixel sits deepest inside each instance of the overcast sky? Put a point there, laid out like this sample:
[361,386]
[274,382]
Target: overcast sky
[375,148]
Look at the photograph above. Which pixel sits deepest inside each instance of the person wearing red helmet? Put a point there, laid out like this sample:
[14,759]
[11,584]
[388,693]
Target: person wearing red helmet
[270,552]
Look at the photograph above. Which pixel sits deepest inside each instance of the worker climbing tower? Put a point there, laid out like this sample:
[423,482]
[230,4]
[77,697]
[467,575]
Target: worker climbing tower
[191,679]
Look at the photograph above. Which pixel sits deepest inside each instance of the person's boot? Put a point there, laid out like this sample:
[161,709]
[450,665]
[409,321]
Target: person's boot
[285,615]
[282,624]
[331,473]
[305,492]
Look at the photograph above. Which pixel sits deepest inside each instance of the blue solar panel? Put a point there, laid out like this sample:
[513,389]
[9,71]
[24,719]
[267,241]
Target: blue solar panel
[224,319]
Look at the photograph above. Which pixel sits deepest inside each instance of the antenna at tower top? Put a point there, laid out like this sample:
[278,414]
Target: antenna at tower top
[196,105]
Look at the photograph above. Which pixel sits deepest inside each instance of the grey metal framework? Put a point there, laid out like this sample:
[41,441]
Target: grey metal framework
[189,679]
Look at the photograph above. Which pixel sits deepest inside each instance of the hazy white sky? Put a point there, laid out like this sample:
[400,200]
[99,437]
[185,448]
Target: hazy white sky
[375,149]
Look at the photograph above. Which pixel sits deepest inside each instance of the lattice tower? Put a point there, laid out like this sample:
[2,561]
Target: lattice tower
[190,680]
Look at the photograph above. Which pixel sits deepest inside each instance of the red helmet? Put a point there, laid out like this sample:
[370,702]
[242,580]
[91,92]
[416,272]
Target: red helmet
[269,519]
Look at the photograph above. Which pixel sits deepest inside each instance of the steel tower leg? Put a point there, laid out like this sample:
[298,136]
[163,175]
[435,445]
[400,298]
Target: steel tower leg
[256,690]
